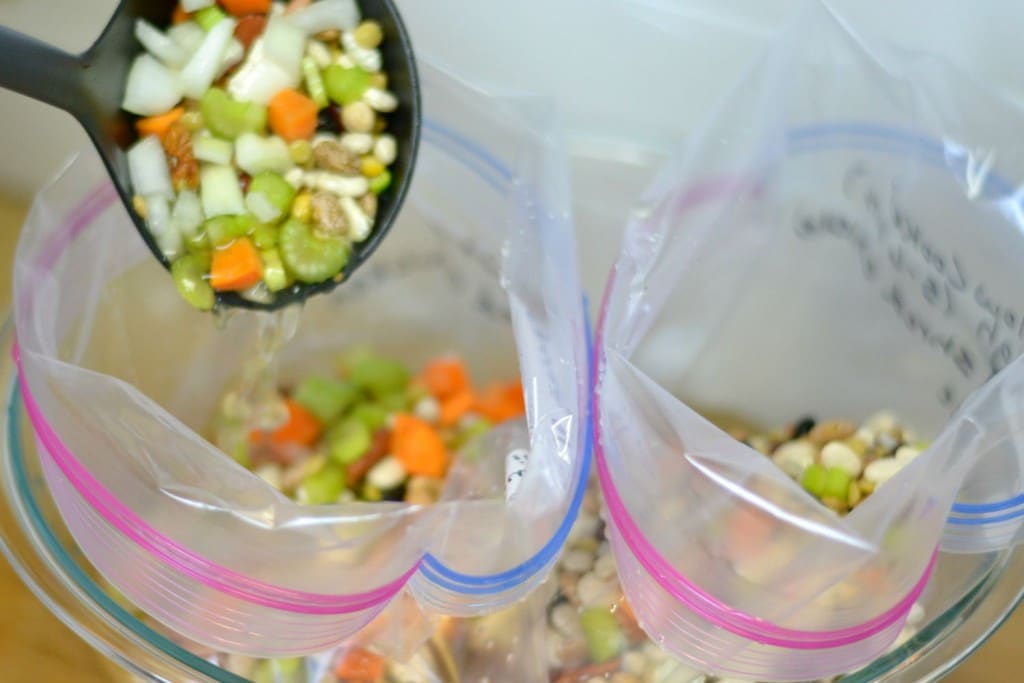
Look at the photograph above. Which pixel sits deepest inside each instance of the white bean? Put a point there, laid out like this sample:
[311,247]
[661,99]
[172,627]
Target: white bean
[906,453]
[566,619]
[593,592]
[794,457]
[369,59]
[427,408]
[578,561]
[381,100]
[360,143]
[881,471]
[358,223]
[385,149]
[838,454]
[386,474]
[604,568]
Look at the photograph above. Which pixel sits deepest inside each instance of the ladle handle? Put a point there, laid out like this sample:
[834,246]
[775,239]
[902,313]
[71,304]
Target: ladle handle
[40,71]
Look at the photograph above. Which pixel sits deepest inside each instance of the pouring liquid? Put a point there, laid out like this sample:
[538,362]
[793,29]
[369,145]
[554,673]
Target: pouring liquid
[254,403]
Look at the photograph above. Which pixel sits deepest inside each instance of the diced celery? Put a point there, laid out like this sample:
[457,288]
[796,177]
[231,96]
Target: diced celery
[314,82]
[220,191]
[198,242]
[274,274]
[189,274]
[394,403]
[345,85]
[471,431]
[264,236]
[372,415]
[381,182]
[278,190]
[256,154]
[262,208]
[208,17]
[349,441]
[211,149]
[222,230]
[379,376]
[327,398]
[323,486]
[228,118]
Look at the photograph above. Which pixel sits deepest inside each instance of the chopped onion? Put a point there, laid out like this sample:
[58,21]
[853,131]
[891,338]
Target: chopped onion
[147,167]
[326,15]
[158,219]
[201,70]
[188,34]
[261,207]
[285,45]
[151,87]
[259,78]
[158,214]
[232,56]
[220,192]
[213,150]
[160,45]
[255,154]
[194,5]
[187,215]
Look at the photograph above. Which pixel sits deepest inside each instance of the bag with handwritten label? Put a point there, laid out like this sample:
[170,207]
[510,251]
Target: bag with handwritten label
[843,236]
[120,378]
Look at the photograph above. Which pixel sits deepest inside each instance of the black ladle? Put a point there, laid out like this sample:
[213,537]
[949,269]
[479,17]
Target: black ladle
[90,87]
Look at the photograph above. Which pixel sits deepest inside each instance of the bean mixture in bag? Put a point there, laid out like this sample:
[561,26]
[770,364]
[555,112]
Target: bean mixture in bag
[263,142]
[590,634]
[373,430]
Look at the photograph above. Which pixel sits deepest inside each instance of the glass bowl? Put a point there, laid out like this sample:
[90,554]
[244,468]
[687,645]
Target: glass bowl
[45,556]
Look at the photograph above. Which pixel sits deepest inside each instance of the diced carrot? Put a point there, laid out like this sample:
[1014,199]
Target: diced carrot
[249,28]
[180,16]
[500,402]
[302,427]
[159,124]
[455,406]
[445,377]
[418,446]
[237,266]
[359,665]
[292,115]
[242,7]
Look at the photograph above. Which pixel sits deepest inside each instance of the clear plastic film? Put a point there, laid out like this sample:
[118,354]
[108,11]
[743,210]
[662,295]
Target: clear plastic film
[843,235]
[121,378]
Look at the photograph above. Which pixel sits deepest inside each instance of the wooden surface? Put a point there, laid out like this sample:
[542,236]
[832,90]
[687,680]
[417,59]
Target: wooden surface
[36,648]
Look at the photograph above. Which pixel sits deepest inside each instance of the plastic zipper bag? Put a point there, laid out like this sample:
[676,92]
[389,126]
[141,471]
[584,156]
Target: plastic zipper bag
[843,235]
[120,378]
